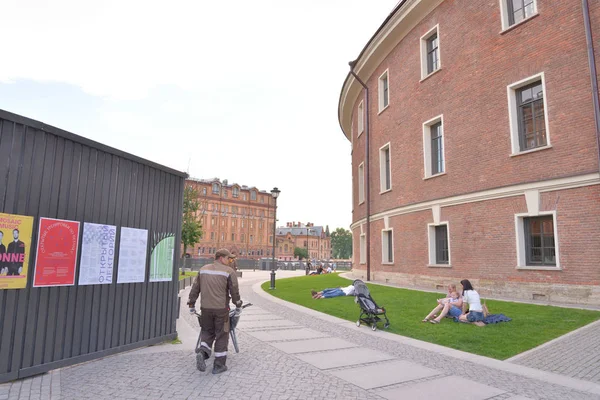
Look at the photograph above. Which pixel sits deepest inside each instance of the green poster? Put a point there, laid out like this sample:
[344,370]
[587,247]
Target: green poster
[162,256]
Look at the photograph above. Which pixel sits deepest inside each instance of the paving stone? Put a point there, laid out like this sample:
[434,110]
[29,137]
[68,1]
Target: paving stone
[278,323]
[384,374]
[439,389]
[286,334]
[343,357]
[313,345]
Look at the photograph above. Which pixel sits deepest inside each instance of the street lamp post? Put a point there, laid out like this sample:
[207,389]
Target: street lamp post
[275,194]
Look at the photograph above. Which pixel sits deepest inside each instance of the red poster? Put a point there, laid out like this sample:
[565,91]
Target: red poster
[56,257]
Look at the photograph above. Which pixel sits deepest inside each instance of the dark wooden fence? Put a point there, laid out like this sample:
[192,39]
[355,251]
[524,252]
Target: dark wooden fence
[48,172]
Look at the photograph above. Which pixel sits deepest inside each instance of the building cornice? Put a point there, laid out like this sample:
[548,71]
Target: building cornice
[491,194]
[402,20]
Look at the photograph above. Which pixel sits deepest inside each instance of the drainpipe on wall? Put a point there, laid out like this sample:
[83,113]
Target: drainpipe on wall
[367,167]
[593,74]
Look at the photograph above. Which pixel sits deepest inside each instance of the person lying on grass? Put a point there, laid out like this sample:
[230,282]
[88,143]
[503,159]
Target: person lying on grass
[450,305]
[333,292]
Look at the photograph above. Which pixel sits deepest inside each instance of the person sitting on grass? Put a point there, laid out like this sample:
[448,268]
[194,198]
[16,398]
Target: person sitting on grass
[450,305]
[319,270]
[333,292]
[471,297]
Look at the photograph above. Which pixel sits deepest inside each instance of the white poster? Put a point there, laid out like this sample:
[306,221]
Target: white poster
[97,254]
[132,255]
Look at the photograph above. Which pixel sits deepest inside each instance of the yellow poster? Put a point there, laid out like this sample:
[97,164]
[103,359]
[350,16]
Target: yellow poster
[15,242]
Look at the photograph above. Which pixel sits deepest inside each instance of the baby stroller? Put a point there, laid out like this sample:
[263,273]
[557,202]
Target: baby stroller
[369,310]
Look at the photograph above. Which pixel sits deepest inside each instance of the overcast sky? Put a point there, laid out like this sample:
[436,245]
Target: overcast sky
[240,90]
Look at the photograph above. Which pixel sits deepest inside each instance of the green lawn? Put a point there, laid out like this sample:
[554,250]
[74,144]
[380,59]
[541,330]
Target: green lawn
[187,274]
[531,325]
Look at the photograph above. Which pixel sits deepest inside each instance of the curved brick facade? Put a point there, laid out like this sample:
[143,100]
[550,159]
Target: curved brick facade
[517,196]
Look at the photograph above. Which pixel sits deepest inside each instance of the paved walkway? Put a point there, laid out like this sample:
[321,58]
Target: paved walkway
[280,359]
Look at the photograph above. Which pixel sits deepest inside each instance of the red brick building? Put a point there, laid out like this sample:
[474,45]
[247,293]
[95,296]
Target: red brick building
[314,239]
[483,160]
[236,217]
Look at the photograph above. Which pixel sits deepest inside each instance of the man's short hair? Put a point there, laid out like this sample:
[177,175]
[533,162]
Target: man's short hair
[15,230]
[222,253]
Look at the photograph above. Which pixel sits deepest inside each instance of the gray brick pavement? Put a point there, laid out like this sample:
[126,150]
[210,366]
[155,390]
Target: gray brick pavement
[576,354]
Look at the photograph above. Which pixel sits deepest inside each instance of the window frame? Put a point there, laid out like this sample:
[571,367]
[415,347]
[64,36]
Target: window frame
[433,245]
[521,242]
[427,147]
[360,116]
[384,91]
[513,114]
[385,174]
[505,15]
[387,246]
[425,39]
[361,183]
[362,248]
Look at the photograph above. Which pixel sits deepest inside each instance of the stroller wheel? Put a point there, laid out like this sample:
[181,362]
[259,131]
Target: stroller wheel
[358,323]
[374,327]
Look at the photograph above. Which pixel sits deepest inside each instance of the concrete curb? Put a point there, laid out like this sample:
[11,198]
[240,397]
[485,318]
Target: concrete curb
[528,372]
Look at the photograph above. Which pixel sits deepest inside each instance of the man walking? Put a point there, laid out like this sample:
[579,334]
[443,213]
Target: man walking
[215,283]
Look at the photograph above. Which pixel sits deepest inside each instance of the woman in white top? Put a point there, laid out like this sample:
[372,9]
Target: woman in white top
[471,297]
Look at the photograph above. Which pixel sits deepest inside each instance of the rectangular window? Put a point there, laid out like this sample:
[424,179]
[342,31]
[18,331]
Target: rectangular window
[433,146]
[437,149]
[441,244]
[433,57]
[251,238]
[387,246]
[216,188]
[233,237]
[243,238]
[385,173]
[530,107]
[519,10]
[430,52]
[361,118]
[361,183]
[527,115]
[363,249]
[222,237]
[203,191]
[539,241]
[253,195]
[235,192]
[384,98]
[212,236]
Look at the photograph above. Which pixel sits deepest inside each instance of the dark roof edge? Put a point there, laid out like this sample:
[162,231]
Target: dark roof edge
[355,61]
[19,119]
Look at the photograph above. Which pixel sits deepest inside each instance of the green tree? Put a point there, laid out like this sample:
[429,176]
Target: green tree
[300,252]
[191,229]
[341,243]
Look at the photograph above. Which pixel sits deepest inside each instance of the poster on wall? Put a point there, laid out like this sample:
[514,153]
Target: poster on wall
[161,257]
[132,255]
[56,257]
[15,242]
[97,254]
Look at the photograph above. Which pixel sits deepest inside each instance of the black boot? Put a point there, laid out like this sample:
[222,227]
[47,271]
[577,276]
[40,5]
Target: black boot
[200,361]
[219,365]
[217,369]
